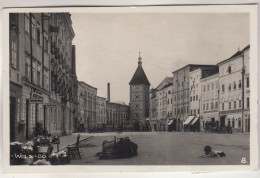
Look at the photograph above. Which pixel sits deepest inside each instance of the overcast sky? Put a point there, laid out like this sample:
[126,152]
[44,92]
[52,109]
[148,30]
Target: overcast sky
[107,45]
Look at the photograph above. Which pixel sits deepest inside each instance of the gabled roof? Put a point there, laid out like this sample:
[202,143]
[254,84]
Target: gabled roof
[235,55]
[139,77]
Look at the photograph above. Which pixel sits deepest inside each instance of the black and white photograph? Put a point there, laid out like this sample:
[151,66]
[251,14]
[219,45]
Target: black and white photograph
[104,86]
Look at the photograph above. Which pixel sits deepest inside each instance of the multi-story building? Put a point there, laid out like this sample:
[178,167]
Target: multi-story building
[181,93]
[161,104]
[234,97]
[209,106]
[101,113]
[88,97]
[139,98]
[196,96]
[117,116]
[41,74]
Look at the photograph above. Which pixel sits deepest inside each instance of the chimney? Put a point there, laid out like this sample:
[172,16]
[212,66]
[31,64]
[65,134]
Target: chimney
[108,92]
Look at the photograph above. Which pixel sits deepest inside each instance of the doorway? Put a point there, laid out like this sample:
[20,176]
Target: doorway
[12,118]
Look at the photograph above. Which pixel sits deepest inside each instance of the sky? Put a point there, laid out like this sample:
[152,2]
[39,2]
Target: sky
[108,45]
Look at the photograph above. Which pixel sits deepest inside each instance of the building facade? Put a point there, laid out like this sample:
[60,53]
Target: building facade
[209,101]
[161,103]
[234,97]
[88,97]
[101,113]
[41,74]
[139,98]
[117,116]
[181,93]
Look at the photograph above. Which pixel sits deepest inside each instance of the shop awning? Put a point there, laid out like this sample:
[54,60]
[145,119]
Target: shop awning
[188,120]
[170,122]
[195,120]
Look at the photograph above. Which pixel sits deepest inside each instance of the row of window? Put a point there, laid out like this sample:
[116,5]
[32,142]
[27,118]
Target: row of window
[207,87]
[234,86]
[206,106]
[34,74]
[235,104]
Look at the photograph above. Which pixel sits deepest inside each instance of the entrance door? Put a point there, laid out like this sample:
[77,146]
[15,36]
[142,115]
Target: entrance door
[12,118]
[222,121]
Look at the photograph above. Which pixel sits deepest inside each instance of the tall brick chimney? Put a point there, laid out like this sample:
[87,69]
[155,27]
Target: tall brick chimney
[108,92]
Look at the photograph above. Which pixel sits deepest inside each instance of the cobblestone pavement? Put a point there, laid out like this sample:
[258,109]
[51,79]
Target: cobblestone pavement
[166,148]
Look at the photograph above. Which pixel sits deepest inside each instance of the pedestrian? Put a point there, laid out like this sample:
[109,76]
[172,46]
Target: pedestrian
[212,153]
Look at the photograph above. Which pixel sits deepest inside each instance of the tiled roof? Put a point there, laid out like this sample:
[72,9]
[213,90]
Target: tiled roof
[139,77]
[235,55]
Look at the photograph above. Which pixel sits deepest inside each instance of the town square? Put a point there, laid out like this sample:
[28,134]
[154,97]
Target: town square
[129,88]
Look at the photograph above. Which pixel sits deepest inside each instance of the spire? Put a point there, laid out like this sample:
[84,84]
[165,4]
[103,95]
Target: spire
[140,59]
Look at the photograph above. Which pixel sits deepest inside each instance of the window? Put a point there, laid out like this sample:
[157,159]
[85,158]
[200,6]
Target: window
[235,104]
[188,109]
[204,88]
[216,105]
[191,98]
[33,72]
[207,106]
[13,54]
[136,96]
[196,97]
[136,106]
[240,104]
[223,106]
[28,68]
[39,75]
[191,111]
[194,111]
[38,33]
[247,82]
[233,122]
[248,102]
[239,122]
[33,28]
[175,110]
[216,84]
[198,111]
[171,100]
[212,106]
[212,86]
[239,84]
[168,101]
[223,88]
[229,105]
[234,85]
[229,69]
[208,87]
[229,87]
[27,23]
[169,92]
[203,107]
[45,45]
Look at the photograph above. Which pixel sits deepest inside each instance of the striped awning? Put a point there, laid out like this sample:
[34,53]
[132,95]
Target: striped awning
[195,120]
[188,120]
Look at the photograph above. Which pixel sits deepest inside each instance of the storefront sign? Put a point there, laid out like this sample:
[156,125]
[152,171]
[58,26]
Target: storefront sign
[36,97]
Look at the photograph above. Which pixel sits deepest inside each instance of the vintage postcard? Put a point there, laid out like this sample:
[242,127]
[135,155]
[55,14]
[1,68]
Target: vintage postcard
[130,89]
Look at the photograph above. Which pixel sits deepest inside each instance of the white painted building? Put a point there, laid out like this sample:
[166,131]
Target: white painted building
[209,100]
[234,111]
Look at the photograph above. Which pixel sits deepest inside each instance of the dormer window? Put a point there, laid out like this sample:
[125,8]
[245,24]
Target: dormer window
[229,69]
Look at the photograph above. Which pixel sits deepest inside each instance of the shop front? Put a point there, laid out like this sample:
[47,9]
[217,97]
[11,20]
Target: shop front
[17,123]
